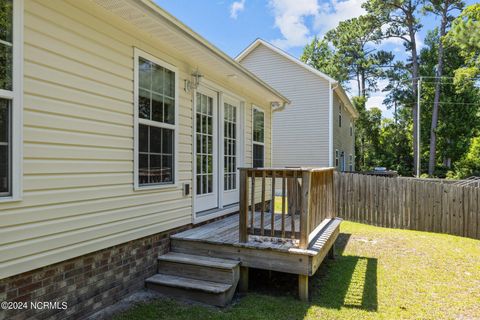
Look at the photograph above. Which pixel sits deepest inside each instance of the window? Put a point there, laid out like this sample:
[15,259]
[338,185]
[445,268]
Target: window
[156,100]
[230,147]
[10,99]
[340,116]
[350,163]
[337,158]
[351,129]
[258,138]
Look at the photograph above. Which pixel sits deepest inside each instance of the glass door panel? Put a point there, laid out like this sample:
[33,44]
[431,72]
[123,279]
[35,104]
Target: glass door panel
[230,138]
[206,137]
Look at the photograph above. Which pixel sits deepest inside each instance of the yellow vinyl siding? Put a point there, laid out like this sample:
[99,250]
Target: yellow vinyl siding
[78,140]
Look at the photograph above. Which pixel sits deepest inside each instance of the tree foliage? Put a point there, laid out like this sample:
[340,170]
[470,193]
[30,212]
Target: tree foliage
[459,120]
[321,56]
[350,52]
[469,165]
[465,35]
[400,20]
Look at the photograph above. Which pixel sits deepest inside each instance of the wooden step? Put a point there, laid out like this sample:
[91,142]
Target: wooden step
[199,267]
[214,293]
[199,260]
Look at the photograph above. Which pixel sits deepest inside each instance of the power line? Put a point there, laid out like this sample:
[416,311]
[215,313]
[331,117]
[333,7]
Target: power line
[446,77]
[438,82]
[457,103]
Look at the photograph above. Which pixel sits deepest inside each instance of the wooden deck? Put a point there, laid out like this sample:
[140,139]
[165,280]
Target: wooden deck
[221,239]
[207,263]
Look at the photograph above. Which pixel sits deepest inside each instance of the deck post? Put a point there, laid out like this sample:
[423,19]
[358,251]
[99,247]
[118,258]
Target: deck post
[305,210]
[243,283]
[331,252]
[243,216]
[303,287]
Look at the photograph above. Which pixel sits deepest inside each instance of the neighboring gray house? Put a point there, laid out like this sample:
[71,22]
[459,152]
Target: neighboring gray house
[317,128]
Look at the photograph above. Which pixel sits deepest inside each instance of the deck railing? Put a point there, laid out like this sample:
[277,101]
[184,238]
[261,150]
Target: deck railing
[307,198]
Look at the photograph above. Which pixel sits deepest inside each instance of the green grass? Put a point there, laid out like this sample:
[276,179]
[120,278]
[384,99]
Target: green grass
[380,274]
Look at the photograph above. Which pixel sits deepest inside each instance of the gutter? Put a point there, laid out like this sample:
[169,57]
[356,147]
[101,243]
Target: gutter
[279,108]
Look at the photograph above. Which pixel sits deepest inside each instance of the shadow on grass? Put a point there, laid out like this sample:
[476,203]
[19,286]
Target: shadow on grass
[346,282]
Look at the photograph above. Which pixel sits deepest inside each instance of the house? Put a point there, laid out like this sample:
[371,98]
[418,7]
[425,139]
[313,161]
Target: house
[318,127]
[119,126]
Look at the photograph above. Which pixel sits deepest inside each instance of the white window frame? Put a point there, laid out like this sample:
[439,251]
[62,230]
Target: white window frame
[137,121]
[337,159]
[350,162]
[16,113]
[255,108]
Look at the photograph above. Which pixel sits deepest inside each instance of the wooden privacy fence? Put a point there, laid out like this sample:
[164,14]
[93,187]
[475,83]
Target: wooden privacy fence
[310,200]
[408,204]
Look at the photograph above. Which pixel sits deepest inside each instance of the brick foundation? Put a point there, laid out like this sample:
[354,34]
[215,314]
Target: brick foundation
[87,283]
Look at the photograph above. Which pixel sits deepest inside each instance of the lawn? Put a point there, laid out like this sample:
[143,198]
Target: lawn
[379,274]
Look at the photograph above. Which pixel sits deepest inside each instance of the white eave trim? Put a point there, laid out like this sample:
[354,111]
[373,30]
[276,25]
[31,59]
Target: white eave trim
[270,46]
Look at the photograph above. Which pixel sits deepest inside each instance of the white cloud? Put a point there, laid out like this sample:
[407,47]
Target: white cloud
[376,100]
[290,18]
[419,42]
[335,11]
[236,8]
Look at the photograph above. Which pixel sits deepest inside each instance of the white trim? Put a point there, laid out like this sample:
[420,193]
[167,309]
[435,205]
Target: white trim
[271,136]
[137,53]
[193,189]
[6,43]
[259,41]
[330,125]
[215,214]
[17,105]
[220,150]
[6,94]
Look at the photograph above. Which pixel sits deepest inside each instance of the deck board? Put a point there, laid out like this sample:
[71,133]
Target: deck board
[225,231]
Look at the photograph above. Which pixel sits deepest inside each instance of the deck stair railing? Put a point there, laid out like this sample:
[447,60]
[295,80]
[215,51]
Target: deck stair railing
[309,201]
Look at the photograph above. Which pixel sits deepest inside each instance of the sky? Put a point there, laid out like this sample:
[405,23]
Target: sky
[232,25]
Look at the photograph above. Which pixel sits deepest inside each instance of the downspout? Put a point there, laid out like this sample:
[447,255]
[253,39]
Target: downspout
[330,123]
[280,108]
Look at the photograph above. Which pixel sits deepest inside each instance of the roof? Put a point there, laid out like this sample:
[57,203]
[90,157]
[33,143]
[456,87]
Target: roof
[162,26]
[334,83]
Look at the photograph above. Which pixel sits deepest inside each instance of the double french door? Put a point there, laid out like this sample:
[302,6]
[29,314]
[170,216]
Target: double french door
[217,144]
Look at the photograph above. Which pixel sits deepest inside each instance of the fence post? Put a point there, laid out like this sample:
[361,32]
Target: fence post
[305,210]
[243,216]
